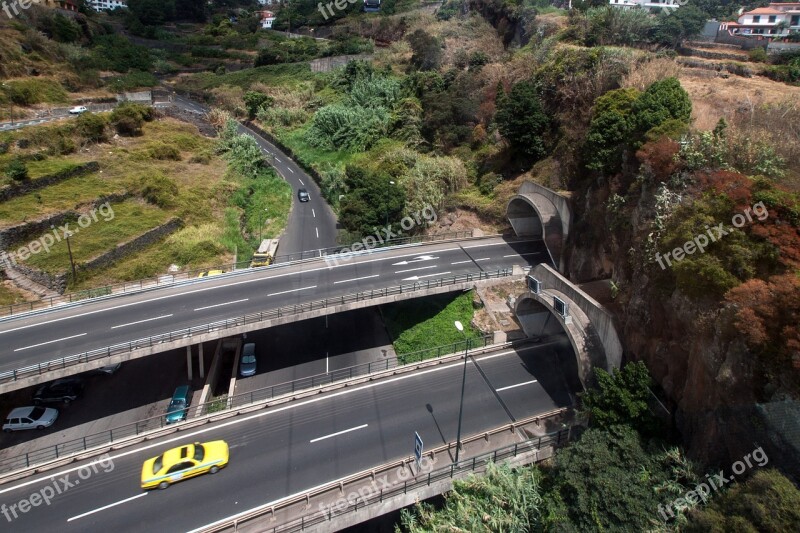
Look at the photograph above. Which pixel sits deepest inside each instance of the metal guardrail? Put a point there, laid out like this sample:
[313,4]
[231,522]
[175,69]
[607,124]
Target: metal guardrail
[167,280]
[314,518]
[71,447]
[155,340]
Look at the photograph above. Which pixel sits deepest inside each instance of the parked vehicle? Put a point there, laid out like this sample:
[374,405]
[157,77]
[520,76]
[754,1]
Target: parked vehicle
[78,109]
[265,254]
[179,405]
[30,418]
[64,390]
[183,462]
[247,362]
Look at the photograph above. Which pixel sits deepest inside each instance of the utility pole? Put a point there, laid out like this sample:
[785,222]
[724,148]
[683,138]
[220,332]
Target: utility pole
[460,328]
[71,260]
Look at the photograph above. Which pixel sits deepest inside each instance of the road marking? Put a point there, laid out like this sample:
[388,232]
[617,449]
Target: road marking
[107,507]
[317,230]
[484,245]
[292,171]
[483,259]
[517,385]
[356,279]
[415,278]
[49,342]
[220,305]
[362,426]
[418,268]
[313,213]
[163,444]
[141,321]
[301,181]
[292,290]
[460,262]
[278,160]
[417,260]
[522,255]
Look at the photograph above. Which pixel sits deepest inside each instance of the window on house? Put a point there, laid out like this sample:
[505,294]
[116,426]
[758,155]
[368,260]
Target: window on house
[795,20]
[756,19]
[771,19]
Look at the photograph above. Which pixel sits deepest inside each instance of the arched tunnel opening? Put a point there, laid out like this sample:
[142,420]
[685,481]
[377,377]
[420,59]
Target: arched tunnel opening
[538,321]
[524,219]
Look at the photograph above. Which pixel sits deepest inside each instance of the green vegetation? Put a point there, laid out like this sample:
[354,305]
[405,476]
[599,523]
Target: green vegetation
[424,323]
[9,296]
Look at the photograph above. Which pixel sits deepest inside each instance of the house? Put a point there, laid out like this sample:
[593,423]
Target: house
[645,4]
[267,18]
[67,5]
[372,6]
[265,2]
[107,5]
[775,20]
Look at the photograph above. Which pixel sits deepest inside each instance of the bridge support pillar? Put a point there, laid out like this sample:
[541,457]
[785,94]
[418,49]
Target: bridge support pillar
[189,361]
[201,362]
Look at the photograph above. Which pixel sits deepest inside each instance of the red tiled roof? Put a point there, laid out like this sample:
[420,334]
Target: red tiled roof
[764,11]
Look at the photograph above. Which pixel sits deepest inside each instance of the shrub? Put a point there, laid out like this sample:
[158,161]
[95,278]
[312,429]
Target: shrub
[521,119]
[158,189]
[758,55]
[255,101]
[164,152]
[128,118]
[16,170]
[91,127]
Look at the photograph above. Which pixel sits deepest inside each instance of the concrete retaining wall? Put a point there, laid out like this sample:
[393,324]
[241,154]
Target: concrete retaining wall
[18,189]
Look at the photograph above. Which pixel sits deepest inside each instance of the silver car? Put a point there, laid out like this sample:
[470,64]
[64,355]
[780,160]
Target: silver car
[33,417]
[247,363]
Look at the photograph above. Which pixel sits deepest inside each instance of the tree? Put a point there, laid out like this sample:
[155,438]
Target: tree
[610,130]
[621,397]
[522,121]
[255,101]
[16,170]
[663,100]
[680,24]
[427,51]
[370,201]
[766,502]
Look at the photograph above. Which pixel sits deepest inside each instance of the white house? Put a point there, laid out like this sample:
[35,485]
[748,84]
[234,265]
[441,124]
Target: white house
[267,18]
[775,20]
[107,5]
[265,2]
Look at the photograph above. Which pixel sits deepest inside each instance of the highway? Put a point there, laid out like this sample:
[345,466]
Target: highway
[291,448]
[59,332]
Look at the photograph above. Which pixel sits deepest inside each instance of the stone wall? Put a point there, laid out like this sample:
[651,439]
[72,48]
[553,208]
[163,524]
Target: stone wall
[55,282]
[18,189]
[134,245]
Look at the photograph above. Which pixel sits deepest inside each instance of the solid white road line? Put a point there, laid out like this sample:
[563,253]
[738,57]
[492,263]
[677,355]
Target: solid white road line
[356,279]
[522,255]
[49,342]
[362,426]
[517,385]
[292,290]
[107,507]
[485,245]
[460,262]
[418,268]
[141,321]
[220,305]
[164,444]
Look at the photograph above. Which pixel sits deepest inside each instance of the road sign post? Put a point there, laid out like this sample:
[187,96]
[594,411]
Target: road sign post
[418,446]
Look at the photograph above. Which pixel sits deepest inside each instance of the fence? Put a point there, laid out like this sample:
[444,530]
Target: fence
[254,318]
[133,429]
[475,464]
[166,280]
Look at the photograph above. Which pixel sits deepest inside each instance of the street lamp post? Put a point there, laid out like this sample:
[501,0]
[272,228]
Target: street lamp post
[386,204]
[71,261]
[460,328]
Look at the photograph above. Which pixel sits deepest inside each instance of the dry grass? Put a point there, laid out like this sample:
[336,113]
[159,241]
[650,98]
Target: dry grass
[645,73]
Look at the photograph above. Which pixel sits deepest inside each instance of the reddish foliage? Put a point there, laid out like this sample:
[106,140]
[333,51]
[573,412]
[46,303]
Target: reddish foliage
[734,185]
[768,312]
[659,156]
[782,235]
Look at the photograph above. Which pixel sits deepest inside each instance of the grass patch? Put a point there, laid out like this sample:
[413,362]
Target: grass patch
[131,218]
[286,74]
[424,323]
[9,296]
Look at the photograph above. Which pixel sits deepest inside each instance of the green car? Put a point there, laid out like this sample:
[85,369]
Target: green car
[179,405]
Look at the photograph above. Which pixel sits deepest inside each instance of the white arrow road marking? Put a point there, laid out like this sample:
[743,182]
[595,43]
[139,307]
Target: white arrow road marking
[415,278]
[417,260]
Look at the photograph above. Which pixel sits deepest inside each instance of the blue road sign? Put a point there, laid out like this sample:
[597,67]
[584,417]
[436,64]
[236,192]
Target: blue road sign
[417,447]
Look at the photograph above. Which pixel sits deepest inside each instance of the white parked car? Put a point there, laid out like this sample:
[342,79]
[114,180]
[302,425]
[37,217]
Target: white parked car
[77,110]
[33,417]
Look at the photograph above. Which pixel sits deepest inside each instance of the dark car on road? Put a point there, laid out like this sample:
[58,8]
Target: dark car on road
[303,196]
[179,405]
[247,363]
[64,390]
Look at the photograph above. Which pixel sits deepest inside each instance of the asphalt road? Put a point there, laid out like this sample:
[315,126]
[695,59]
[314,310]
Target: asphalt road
[289,449]
[28,340]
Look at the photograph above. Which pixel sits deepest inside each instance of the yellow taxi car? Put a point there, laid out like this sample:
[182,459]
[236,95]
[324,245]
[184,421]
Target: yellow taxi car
[209,273]
[184,462]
